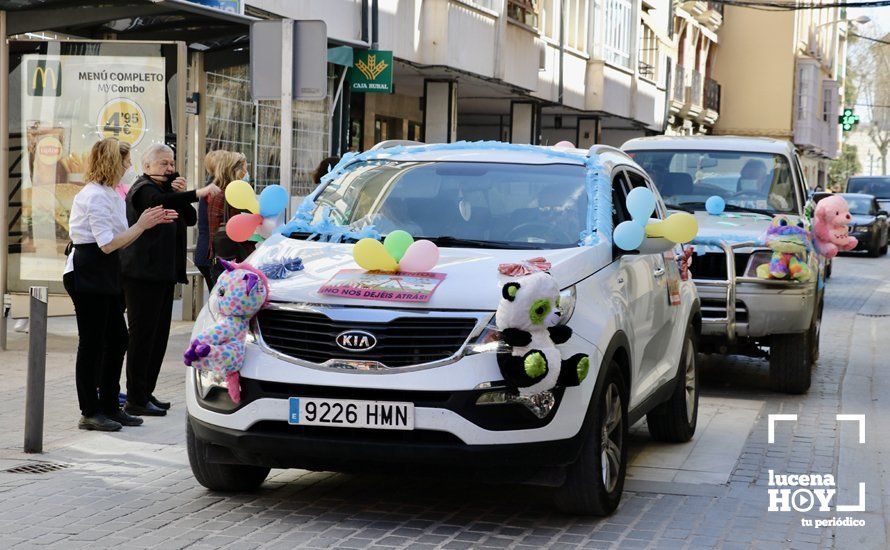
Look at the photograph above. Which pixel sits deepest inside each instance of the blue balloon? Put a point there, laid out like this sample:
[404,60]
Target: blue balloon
[640,204]
[629,235]
[273,201]
[715,205]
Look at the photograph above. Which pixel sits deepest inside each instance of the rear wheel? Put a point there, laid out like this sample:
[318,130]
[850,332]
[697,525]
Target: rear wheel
[674,420]
[594,483]
[221,477]
[790,365]
[815,331]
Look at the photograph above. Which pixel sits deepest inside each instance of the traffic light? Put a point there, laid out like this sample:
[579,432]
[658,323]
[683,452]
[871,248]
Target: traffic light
[848,120]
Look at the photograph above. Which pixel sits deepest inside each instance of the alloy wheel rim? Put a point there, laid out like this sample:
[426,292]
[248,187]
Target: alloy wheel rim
[612,438]
[690,381]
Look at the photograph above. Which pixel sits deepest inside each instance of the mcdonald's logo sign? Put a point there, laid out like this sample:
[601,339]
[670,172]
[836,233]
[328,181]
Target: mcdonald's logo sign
[44,77]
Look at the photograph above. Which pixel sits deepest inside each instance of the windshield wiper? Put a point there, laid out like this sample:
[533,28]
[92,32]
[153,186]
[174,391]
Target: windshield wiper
[448,240]
[680,207]
[303,235]
[730,208]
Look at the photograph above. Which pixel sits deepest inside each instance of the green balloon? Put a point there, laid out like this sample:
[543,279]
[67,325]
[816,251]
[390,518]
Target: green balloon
[397,242]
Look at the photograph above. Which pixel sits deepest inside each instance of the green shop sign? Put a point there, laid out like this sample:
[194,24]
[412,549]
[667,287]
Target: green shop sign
[371,71]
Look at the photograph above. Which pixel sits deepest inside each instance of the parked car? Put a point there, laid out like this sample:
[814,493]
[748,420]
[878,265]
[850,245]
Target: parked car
[879,186]
[434,365]
[868,223]
[742,313]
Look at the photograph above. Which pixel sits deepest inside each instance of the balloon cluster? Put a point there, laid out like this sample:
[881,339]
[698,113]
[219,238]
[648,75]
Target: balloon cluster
[398,252]
[680,227]
[264,213]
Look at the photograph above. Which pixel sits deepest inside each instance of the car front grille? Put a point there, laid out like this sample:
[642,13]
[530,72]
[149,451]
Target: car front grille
[712,265]
[401,342]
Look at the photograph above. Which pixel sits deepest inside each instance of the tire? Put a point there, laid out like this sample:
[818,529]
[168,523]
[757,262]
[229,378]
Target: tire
[221,477]
[815,331]
[790,367]
[590,489]
[883,250]
[828,269]
[874,251]
[674,420]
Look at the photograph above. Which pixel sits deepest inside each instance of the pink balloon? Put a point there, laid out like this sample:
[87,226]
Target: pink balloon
[565,144]
[420,257]
[239,228]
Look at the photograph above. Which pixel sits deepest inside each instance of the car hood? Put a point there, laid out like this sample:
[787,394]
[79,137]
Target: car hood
[733,227]
[472,280]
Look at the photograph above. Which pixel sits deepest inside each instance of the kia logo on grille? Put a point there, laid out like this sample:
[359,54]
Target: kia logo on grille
[356,340]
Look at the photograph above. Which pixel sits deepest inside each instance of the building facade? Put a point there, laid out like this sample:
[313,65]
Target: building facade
[694,93]
[785,80]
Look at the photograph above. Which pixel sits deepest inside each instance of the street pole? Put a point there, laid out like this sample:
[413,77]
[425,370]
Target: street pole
[36,371]
[4,173]
[286,138]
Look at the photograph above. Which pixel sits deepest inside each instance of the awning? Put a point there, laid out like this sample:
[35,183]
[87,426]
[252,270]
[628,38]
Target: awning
[203,28]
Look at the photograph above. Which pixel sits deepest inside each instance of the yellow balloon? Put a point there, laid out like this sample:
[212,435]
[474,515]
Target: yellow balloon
[370,254]
[679,227]
[241,195]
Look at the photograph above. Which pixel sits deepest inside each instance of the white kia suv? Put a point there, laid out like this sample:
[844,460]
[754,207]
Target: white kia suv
[342,384]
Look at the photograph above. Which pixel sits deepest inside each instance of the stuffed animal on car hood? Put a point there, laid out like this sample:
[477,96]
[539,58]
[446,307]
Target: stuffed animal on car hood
[830,221]
[790,242]
[240,292]
[527,318]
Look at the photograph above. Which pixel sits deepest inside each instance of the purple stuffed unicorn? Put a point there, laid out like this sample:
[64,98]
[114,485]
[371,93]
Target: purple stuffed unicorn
[240,292]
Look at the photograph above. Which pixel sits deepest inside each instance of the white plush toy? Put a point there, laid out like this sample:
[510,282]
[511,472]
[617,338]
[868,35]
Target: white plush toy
[527,318]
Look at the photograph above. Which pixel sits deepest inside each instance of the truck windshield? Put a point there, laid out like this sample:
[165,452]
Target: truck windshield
[687,178]
[879,187]
[463,203]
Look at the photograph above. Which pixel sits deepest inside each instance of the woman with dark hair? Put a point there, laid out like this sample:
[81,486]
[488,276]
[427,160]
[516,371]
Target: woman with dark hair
[323,168]
[98,229]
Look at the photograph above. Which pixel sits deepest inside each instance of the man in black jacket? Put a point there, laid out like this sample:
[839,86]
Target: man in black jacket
[151,267]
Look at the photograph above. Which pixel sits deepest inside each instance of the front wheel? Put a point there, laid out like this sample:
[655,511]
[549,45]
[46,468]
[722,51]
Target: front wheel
[674,420]
[595,482]
[790,363]
[221,477]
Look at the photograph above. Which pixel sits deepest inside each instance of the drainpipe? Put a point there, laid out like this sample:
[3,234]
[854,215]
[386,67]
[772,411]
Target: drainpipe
[562,49]
[375,19]
[365,21]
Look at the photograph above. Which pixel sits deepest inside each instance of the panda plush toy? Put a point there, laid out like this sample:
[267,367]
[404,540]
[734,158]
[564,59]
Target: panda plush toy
[527,318]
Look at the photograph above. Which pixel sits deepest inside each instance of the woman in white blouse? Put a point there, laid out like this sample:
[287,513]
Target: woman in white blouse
[98,229]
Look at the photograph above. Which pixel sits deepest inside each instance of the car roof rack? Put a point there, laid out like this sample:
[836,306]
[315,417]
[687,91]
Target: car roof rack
[395,143]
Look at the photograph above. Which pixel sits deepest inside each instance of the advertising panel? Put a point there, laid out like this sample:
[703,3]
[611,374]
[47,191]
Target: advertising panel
[68,102]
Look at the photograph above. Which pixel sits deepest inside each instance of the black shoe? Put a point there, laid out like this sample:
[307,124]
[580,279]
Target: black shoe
[158,403]
[125,419]
[144,410]
[98,422]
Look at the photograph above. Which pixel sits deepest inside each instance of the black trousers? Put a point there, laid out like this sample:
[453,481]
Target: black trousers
[149,308]
[102,342]
[207,273]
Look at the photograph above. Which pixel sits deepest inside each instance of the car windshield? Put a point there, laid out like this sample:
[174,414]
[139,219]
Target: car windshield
[463,203]
[687,178]
[859,205]
[879,187]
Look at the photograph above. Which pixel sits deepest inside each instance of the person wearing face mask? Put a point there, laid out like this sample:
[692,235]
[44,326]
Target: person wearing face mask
[229,167]
[130,175]
[151,268]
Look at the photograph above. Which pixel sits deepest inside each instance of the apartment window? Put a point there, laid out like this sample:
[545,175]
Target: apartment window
[649,53]
[826,104]
[807,90]
[523,11]
[575,22]
[617,30]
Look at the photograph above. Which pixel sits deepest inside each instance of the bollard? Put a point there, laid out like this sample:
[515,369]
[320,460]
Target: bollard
[36,371]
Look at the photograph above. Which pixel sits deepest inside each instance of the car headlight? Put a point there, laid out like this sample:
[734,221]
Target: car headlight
[756,260]
[860,228]
[567,299]
[207,380]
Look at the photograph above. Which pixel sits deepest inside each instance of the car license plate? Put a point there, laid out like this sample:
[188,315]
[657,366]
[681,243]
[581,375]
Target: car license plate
[347,413]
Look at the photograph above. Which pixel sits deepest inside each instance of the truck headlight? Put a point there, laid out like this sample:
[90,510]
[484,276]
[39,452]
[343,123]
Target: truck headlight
[207,380]
[756,260]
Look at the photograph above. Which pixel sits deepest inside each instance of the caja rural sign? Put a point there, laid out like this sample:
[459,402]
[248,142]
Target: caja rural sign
[371,71]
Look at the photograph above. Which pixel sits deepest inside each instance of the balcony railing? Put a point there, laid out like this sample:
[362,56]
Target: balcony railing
[679,84]
[716,6]
[712,95]
[695,90]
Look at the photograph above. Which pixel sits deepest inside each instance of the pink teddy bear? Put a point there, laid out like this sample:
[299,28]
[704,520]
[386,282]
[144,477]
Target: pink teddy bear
[830,226]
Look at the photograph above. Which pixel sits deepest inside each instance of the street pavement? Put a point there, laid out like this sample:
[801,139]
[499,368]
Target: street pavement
[134,488]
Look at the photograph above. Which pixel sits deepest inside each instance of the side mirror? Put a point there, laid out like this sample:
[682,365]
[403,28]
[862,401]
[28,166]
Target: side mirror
[882,213]
[656,245]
